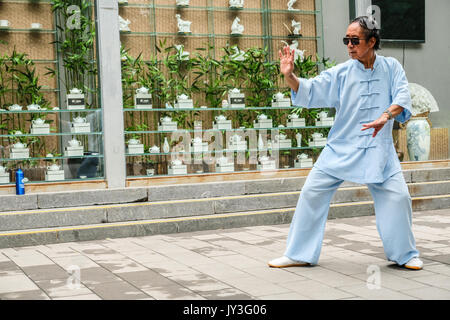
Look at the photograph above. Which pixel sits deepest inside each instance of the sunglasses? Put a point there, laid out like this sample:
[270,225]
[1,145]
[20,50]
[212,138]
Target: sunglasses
[354,41]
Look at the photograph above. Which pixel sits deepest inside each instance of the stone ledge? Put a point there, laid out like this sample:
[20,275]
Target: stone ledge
[91,197]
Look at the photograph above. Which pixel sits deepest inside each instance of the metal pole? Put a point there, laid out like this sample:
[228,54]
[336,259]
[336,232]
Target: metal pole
[108,44]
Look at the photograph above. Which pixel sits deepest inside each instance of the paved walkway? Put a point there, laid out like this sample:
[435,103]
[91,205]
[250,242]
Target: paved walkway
[231,264]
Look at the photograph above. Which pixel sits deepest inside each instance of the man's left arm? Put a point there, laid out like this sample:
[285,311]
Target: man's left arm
[390,113]
[400,108]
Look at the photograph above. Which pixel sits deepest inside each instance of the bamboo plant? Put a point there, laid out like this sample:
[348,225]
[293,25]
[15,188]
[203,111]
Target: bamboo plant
[76,38]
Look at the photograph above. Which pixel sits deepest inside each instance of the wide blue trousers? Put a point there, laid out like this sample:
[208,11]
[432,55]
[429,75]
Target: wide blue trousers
[393,212]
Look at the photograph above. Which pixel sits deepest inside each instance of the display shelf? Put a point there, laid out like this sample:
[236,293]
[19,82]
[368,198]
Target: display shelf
[2,111]
[295,12]
[51,158]
[298,37]
[217,9]
[212,173]
[55,181]
[50,134]
[183,8]
[44,61]
[219,151]
[28,1]
[210,109]
[30,30]
[192,35]
[233,129]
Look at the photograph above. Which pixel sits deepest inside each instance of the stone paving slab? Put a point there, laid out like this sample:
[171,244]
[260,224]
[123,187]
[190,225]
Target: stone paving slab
[231,264]
[25,295]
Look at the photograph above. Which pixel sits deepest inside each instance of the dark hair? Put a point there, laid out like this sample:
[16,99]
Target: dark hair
[370,28]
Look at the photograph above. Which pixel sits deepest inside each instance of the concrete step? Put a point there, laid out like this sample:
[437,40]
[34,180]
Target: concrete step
[27,237]
[97,214]
[69,216]
[71,199]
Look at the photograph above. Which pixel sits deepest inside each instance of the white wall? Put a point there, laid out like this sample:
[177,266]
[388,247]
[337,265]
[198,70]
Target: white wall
[427,64]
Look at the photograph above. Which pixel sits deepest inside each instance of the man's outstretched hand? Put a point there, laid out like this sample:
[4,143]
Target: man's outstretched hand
[377,125]
[286,61]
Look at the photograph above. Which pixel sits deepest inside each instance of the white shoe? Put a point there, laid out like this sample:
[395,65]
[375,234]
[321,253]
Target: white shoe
[285,262]
[415,264]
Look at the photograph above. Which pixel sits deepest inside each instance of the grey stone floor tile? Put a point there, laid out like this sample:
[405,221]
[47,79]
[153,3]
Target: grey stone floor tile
[144,256]
[188,257]
[276,247]
[342,265]
[260,254]
[220,271]
[442,258]
[90,296]
[78,260]
[124,246]
[172,292]
[243,236]
[25,295]
[52,251]
[443,269]
[93,276]
[239,261]
[45,272]
[256,286]
[375,294]
[169,267]
[4,258]
[214,251]
[16,283]
[28,258]
[9,268]
[285,296]
[94,252]
[429,293]
[274,275]
[199,282]
[226,294]
[145,279]
[192,243]
[392,282]
[328,277]
[316,290]
[59,288]
[394,269]
[209,236]
[438,280]
[334,264]
[28,248]
[121,265]
[117,290]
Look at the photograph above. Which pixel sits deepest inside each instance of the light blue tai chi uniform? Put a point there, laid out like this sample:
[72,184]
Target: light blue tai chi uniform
[359,96]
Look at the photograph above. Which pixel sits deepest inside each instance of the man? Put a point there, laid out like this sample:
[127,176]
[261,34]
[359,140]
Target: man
[368,92]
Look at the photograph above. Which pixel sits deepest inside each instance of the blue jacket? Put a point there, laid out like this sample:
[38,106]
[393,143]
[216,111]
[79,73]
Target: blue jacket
[359,96]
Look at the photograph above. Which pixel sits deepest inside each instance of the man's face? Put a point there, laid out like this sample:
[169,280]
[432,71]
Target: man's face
[362,50]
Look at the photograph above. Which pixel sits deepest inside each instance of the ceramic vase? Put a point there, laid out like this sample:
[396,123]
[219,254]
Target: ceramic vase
[418,139]
[166,146]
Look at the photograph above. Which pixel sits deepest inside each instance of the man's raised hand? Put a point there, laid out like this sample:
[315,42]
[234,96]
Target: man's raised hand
[286,60]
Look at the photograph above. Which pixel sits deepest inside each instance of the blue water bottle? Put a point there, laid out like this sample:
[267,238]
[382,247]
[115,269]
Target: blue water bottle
[20,185]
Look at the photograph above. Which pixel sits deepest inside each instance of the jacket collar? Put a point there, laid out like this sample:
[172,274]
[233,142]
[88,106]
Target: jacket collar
[361,66]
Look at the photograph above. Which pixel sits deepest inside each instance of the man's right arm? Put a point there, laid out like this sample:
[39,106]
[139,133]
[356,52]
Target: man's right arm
[287,67]
[292,81]
[322,91]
